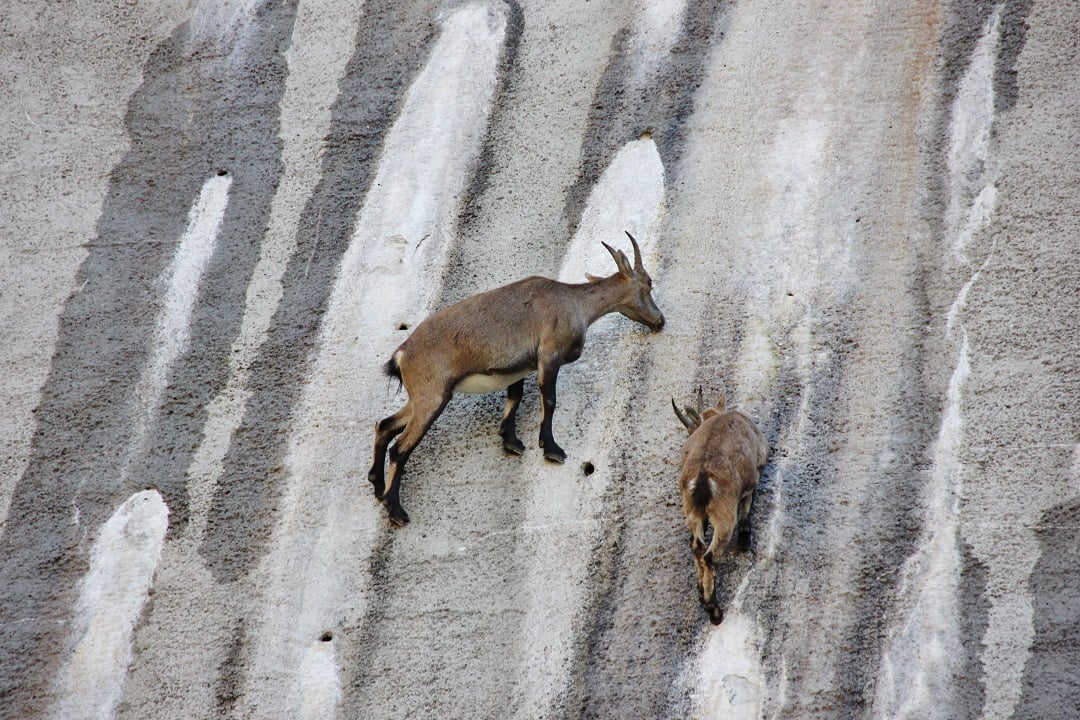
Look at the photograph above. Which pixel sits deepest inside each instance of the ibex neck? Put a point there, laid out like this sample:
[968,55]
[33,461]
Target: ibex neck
[600,297]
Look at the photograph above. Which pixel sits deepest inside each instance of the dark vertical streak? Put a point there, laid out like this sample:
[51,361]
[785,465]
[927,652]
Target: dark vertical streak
[1050,687]
[196,114]
[622,112]
[392,39]
[1014,29]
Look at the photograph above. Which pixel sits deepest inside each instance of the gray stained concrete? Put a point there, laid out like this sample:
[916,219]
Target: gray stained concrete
[220,218]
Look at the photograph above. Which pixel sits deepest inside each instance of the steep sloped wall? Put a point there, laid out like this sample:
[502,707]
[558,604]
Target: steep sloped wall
[221,218]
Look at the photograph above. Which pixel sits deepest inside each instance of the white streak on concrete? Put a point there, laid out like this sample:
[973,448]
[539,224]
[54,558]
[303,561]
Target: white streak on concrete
[309,94]
[923,653]
[973,173]
[218,24]
[973,108]
[111,599]
[403,234]
[794,253]
[952,318]
[322,42]
[173,326]
[969,154]
[317,574]
[655,33]
[979,217]
[629,195]
[727,675]
[729,678]
[320,688]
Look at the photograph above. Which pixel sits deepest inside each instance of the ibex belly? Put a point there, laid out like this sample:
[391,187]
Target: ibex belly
[480,383]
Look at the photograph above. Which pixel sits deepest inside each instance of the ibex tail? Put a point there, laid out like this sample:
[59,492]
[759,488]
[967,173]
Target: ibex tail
[702,492]
[392,369]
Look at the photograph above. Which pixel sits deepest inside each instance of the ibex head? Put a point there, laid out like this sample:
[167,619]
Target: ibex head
[638,304]
[692,418]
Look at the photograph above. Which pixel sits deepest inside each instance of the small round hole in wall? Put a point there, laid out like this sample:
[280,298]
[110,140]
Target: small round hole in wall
[326,637]
[403,326]
[588,468]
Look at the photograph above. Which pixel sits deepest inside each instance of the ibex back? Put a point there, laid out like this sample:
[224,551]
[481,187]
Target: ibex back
[722,461]
[492,341]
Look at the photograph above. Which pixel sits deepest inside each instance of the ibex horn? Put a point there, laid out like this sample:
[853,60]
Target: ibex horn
[690,424]
[637,252]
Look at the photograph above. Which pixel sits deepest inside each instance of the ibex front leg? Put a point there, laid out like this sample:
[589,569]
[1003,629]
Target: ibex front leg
[547,377]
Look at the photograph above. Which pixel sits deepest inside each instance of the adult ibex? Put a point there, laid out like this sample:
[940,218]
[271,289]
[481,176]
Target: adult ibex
[722,461]
[492,341]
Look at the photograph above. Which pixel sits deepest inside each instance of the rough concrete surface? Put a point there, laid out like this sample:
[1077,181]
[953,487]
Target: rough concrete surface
[218,219]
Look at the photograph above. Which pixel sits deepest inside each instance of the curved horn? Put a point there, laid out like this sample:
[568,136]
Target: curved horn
[619,257]
[637,252]
[690,424]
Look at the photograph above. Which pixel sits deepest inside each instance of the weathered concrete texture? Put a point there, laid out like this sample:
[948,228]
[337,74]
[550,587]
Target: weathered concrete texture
[220,218]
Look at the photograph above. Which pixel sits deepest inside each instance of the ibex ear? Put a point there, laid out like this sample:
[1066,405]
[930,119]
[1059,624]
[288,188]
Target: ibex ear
[592,278]
[722,401]
[620,259]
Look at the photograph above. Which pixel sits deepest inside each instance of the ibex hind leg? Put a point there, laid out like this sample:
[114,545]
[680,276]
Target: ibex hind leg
[423,415]
[703,559]
[707,584]
[742,538]
[386,430]
[722,533]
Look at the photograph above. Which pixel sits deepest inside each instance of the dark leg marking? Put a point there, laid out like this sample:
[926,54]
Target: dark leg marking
[424,413]
[548,376]
[385,430]
[508,428]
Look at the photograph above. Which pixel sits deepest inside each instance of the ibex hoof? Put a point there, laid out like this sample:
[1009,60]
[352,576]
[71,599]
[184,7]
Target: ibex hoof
[514,447]
[716,615]
[554,455]
[398,517]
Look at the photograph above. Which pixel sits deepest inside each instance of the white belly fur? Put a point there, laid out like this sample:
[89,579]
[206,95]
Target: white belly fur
[479,383]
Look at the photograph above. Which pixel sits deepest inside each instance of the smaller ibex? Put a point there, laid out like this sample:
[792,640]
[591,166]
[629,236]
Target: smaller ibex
[492,341]
[722,461]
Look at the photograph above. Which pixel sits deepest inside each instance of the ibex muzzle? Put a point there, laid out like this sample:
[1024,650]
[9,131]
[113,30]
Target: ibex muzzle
[722,461]
[492,341]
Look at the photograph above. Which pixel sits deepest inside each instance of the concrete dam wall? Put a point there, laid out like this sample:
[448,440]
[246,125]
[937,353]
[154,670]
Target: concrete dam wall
[220,218]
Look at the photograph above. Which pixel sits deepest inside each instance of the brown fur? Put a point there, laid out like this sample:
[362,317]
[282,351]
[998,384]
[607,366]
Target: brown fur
[722,461]
[493,340]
